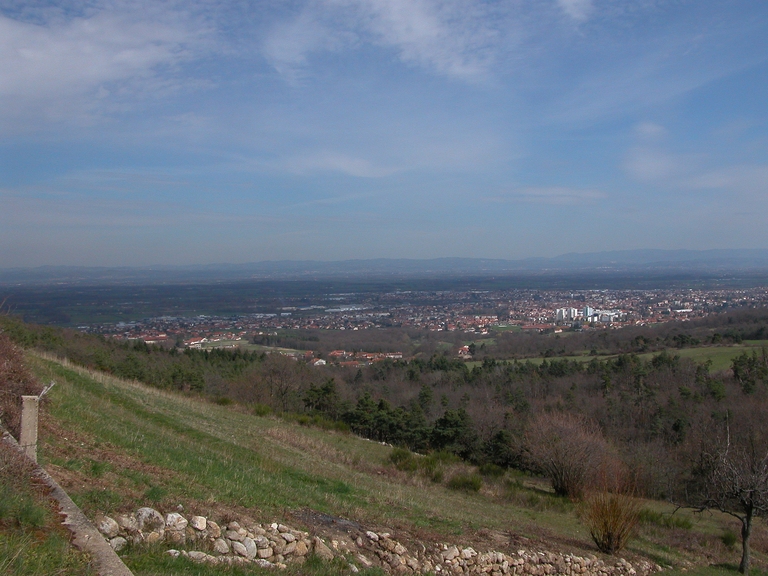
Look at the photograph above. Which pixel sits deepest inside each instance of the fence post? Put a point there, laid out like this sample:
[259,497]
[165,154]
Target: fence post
[28,437]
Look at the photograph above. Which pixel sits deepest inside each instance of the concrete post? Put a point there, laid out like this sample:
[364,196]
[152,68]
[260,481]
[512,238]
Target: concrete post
[28,438]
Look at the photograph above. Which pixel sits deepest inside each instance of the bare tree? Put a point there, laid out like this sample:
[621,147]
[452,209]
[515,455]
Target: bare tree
[568,448]
[736,482]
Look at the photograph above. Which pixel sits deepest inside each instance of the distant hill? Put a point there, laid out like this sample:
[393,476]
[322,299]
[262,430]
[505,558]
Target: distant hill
[730,260]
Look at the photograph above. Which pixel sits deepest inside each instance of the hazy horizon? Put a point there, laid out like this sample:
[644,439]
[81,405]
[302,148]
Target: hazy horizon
[196,132]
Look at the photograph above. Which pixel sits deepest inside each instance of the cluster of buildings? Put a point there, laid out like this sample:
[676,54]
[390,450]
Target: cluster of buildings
[473,312]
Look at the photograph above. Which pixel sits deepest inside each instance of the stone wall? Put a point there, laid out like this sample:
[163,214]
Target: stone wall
[276,545]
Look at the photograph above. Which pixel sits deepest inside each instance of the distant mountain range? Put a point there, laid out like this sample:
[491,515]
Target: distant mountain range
[619,261]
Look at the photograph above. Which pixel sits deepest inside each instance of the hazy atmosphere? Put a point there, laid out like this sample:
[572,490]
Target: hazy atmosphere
[139,133]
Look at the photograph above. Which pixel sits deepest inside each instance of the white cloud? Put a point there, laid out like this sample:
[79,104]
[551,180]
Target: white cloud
[448,37]
[750,180]
[77,68]
[579,10]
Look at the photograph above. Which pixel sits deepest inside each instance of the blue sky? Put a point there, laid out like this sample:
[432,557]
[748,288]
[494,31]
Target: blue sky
[140,133]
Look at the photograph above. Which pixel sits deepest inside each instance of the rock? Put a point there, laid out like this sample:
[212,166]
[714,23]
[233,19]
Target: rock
[399,549]
[262,542]
[282,528]
[107,526]
[220,546]
[264,553]
[364,561]
[173,553]
[301,548]
[289,548]
[154,537]
[468,553]
[197,556]
[198,522]
[354,568]
[263,563]
[175,521]
[450,554]
[321,549]
[118,543]
[250,548]
[239,549]
[127,523]
[214,531]
[175,536]
[372,536]
[234,535]
[235,526]
[149,519]
[288,537]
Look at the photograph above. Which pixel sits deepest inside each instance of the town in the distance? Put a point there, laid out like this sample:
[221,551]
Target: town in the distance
[476,313]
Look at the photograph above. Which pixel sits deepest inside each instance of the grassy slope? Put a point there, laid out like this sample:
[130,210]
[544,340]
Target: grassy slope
[116,445]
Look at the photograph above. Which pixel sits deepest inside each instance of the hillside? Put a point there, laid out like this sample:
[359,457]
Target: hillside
[116,445]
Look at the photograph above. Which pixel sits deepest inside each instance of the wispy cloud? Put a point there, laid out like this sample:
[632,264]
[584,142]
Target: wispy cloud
[557,195]
[64,68]
[579,10]
[447,37]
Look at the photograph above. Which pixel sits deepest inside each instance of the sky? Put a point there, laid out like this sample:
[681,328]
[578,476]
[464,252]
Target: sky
[137,133]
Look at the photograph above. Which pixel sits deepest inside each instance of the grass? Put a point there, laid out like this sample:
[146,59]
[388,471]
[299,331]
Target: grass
[721,356]
[32,542]
[117,445]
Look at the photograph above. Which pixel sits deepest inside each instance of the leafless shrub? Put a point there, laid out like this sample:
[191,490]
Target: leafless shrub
[567,448]
[15,381]
[610,510]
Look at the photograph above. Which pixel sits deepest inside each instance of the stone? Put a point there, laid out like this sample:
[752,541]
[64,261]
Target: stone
[154,537]
[399,549]
[263,563]
[364,561]
[198,522]
[214,531]
[264,553]
[354,568]
[321,549]
[239,549]
[235,526]
[220,546]
[197,556]
[173,553]
[262,542]
[127,523]
[282,528]
[234,535]
[301,548]
[175,521]
[175,536]
[450,554]
[107,526]
[118,543]
[289,548]
[372,536]
[468,553]
[250,548]
[149,519]
[288,537]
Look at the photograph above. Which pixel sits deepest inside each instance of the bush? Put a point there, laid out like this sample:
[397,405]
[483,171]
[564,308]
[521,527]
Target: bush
[491,470]
[729,538]
[647,516]
[467,482]
[15,382]
[261,409]
[403,460]
[568,449]
[611,519]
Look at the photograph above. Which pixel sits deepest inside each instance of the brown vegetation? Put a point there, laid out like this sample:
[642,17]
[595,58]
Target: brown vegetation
[15,381]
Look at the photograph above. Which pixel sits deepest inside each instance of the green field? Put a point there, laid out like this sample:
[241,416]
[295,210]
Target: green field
[720,356]
[116,445]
